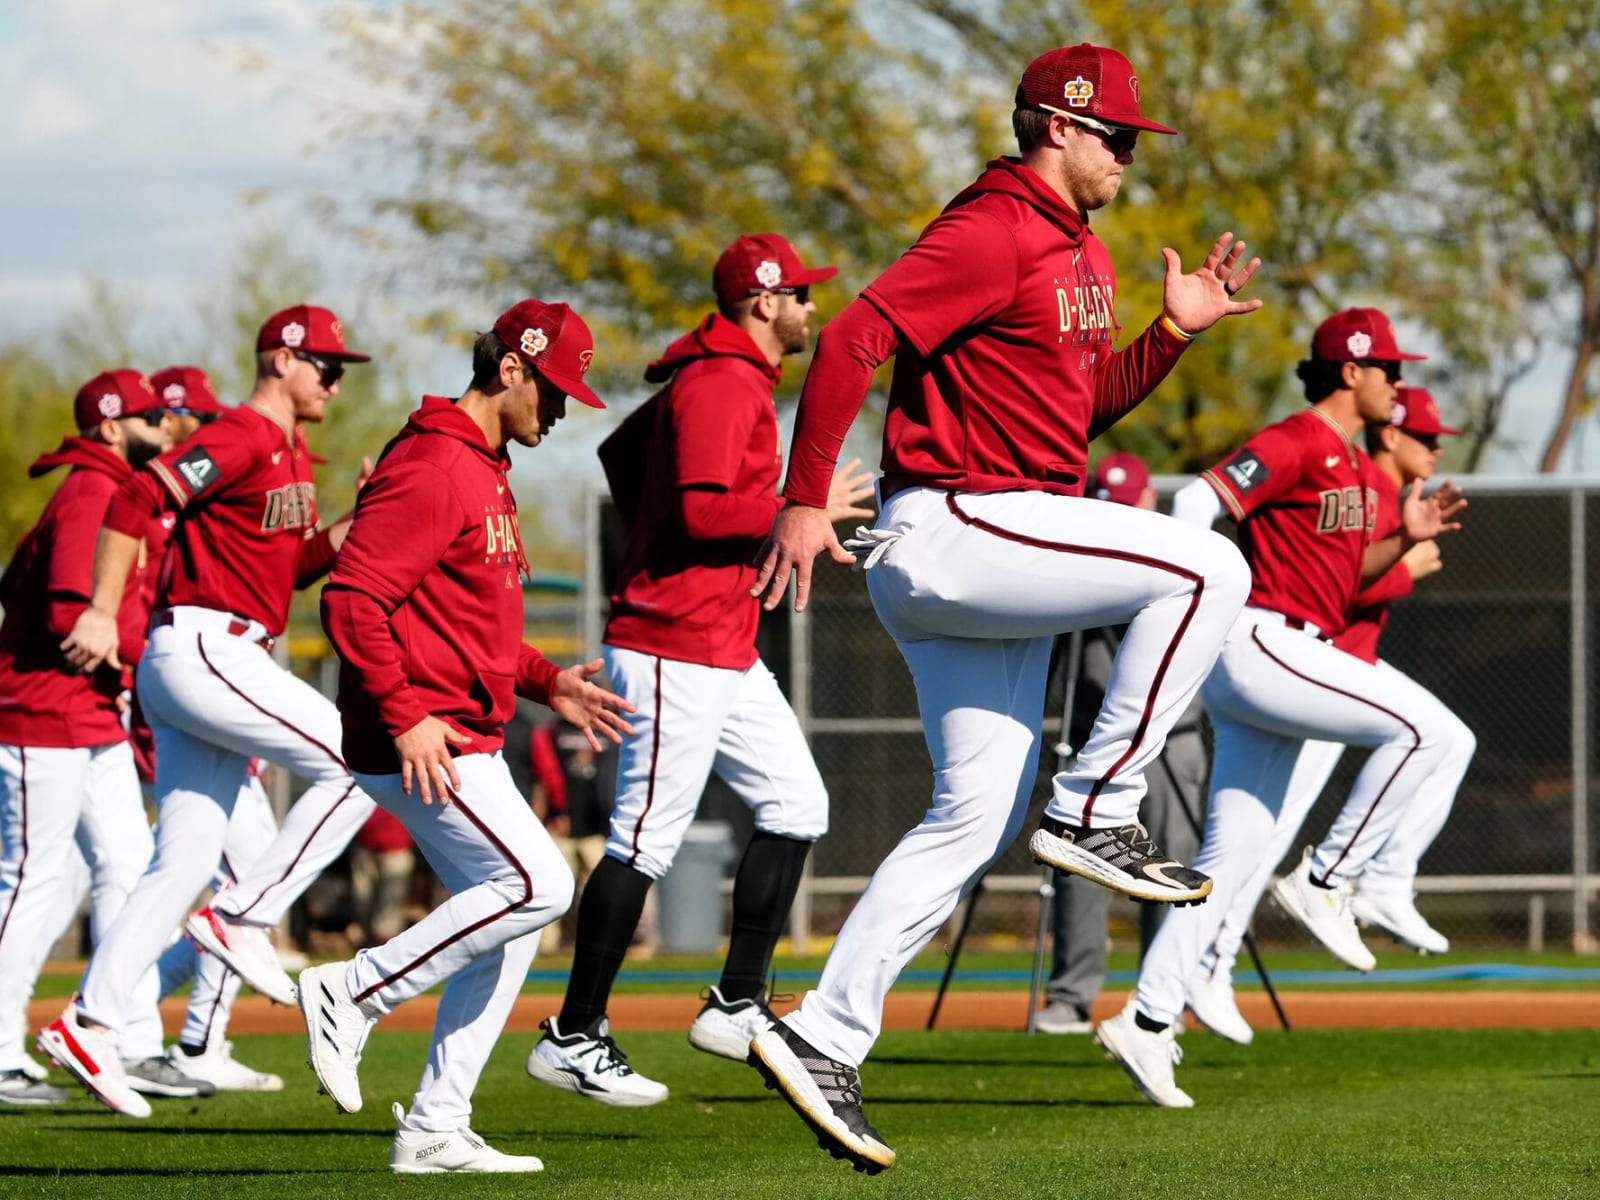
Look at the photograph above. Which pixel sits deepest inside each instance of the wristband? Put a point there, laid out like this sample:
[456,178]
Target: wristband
[1172,328]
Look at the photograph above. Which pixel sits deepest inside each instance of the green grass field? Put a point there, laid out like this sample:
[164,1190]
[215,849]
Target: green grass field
[1313,1114]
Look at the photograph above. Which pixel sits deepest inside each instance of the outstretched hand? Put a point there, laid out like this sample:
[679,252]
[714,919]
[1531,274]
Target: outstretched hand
[1425,517]
[1198,300]
[799,534]
[848,489]
[588,706]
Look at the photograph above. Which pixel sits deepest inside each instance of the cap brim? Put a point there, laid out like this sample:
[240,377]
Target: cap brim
[815,275]
[1134,122]
[1448,430]
[336,352]
[1404,357]
[575,388]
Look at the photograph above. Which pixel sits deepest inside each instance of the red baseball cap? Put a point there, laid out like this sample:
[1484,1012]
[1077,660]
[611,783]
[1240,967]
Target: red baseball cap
[553,340]
[1356,334]
[762,262]
[1121,478]
[188,388]
[1085,81]
[309,328]
[113,394]
[1416,411]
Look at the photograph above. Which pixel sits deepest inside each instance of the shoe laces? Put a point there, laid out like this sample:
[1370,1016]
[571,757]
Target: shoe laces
[608,1056]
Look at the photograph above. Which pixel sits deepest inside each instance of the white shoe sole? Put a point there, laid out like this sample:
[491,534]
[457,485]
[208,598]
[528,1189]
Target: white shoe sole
[1109,1038]
[1240,1035]
[1288,899]
[199,931]
[566,1081]
[722,1043]
[320,1056]
[784,1073]
[122,1100]
[1421,943]
[1067,856]
[410,1170]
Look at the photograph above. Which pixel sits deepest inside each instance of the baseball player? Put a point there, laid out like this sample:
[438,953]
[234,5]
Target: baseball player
[1403,451]
[247,534]
[1000,320]
[1305,498]
[68,784]
[425,611]
[694,473]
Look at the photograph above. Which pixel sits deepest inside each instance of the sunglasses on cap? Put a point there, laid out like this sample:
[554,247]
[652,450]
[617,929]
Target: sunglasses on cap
[330,370]
[205,418]
[1119,139]
[801,292]
[151,416]
[1389,366]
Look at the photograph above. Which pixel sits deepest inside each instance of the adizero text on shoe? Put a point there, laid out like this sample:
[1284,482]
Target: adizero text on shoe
[336,1032]
[826,1094]
[590,1063]
[1325,913]
[419,1152]
[1147,1056]
[90,1057]
[162,1077]
[1124,859]
[727,1027]
[21,1089]
[245,949]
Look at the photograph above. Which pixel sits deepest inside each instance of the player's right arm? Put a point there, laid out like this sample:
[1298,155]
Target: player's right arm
[1197,503]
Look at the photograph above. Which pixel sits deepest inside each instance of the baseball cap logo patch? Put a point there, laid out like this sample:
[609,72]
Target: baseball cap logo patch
[769,274]
[533,341]
[293,334]
[1133,86]
[1359,344]
[174,392]
[1398,416]
[110,405]
[1078,92]
[584,360]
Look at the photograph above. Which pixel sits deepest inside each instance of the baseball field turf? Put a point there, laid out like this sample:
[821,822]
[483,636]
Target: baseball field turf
[1319,1113]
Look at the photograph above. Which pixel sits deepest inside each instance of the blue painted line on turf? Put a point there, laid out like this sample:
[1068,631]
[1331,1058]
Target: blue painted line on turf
[1455,972]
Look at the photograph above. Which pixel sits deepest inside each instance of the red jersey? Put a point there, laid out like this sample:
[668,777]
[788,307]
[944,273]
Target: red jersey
[1370,612]
[425,604]
[247,532]
[1000,319]
[45,588]
[694,473]
[1303,495]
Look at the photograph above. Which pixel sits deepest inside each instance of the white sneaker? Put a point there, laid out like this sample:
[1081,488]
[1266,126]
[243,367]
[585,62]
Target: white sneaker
[1211,1000]
[245,949]
[33,1070]
[336,1031]
[19,1088]
[217,1066]
[418,1152]
[1325,912]
[1396,913]
[1147,1057]
[90,1056]
[1062,1016]
[727,1027]
[591,1064]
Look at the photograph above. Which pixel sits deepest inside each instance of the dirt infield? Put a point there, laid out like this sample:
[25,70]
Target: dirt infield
[1351,1008]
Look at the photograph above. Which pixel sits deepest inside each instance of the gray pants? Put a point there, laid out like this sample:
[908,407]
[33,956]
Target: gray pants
[1080,908]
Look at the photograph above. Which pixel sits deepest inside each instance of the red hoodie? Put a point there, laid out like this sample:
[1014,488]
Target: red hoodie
[1000,320]
[694,473]
[46,586]
[425,605]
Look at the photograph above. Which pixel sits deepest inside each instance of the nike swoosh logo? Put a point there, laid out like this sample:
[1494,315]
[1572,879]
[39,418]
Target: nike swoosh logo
[277,458]
[1331,461]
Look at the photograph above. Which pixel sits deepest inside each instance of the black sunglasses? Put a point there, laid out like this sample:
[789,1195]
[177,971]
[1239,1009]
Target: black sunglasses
[331,371]
[801,292]
[1389,366]
[1119,139]
[205,418]
[151,416]
[1429,441]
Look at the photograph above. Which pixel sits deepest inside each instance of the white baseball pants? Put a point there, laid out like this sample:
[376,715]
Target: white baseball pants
[689,721]
[507,880]
[60,809]
[973,588]
[1273,689]
[215,701]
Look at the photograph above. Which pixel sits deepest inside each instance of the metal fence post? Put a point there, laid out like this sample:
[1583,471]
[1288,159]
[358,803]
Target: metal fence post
[1582,942]
[800,699]
[589,604]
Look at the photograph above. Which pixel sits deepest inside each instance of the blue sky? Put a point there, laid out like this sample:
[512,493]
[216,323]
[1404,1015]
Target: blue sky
[144,141]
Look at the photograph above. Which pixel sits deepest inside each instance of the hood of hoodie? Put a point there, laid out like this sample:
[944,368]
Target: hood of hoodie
[714,337]
[77,451]
[1009,177]
[440,414]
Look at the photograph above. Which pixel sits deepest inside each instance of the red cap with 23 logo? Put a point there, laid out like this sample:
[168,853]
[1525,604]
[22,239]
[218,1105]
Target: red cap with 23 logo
[554,340]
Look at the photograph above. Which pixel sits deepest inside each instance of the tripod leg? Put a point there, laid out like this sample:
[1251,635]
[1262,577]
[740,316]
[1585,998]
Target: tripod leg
[955,954]
[1047,891]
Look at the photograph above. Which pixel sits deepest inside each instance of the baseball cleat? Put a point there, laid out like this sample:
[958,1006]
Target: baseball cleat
[1147,1056]
[336,1032]
[1211,1000]
[1062,1016]
[1325,913]
[590,1063]
[90,1057]
[161,1077]
[1396,914]
[826,1094]
[245,949]
[19,1088]
[727,1027]
[1124,859]
[33,1070]
[217,1066]
[420,1152]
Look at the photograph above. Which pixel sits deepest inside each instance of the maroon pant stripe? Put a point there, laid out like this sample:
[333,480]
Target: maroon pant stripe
[289,725]
[211,1017]
[1143,560]
[527,897]
[1416,741]
[655,758]
[298,854]
[22,862]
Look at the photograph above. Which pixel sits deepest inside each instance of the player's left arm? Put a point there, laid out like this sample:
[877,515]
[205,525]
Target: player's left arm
[320,550]
[1421,518]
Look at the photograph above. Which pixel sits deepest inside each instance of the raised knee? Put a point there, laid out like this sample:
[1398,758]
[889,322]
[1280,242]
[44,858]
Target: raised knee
[1227,573]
